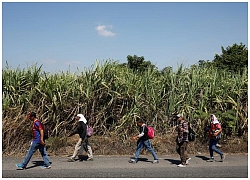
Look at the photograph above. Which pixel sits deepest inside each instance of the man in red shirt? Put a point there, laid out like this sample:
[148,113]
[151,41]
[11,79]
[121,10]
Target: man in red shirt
[37,143]
[214,132]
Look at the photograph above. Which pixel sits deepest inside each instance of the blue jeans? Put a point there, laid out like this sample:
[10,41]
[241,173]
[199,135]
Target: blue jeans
[146,144]
[212,148]
[33,147]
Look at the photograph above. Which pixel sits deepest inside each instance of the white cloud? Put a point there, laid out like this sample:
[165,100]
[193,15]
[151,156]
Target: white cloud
[102,30]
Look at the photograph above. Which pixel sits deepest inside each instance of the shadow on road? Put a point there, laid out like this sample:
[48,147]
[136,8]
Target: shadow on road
[142,159]
[173,161]
[36,163]
[204,158]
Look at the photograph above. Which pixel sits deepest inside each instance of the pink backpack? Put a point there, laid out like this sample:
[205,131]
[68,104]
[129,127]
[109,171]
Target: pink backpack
[151,132]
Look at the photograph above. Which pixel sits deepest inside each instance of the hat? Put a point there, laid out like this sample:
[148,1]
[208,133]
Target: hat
[179,115]
[82,118]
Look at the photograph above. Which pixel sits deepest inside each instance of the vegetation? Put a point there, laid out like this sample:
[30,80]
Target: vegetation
[111,95]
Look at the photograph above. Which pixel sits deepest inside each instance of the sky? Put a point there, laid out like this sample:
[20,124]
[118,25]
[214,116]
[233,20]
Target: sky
[64,36]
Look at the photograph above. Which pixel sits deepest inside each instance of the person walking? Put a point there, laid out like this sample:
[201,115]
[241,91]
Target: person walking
[81,129]
[182,141]
[214,134]
[37,143]
[143,141]
[86,143]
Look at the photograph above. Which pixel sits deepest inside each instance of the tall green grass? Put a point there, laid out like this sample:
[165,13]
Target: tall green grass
[111,96]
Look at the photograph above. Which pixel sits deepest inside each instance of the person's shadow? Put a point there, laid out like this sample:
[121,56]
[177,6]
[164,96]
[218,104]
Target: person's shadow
[142,159]
[204,158]
[173,161]
[36,163]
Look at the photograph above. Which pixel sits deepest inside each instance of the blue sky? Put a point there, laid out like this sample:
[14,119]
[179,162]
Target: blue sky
[65,35]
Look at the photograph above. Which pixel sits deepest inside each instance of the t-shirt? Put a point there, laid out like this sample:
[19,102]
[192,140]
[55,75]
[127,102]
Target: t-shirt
[213,128]
[35,131]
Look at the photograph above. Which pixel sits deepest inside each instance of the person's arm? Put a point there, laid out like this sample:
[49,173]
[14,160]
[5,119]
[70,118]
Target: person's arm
[40,128]
[41,136]
[140,135]
[74,132]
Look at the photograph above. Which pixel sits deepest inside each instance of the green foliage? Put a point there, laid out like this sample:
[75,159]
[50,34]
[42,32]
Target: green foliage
[111,95]
[234,58]
[137,64]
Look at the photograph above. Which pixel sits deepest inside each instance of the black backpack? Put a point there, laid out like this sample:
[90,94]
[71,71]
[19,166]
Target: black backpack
[46,131]
[191,133]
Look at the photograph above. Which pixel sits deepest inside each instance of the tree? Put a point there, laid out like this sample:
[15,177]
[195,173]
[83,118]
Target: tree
[138,64]
[234,58]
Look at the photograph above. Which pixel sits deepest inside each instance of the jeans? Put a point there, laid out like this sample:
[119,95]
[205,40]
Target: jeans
[33,147]
[212,148]
[146,144]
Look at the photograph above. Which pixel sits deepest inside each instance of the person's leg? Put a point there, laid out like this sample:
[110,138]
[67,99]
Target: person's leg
[90,153]
[77,148]
[44,154]
[31,151]
[210,148]
[149,147]
[178,148]
[214,148]
[182,153]
[138,149]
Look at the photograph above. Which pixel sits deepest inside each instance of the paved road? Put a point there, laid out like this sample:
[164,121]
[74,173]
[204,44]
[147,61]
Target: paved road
[235,166]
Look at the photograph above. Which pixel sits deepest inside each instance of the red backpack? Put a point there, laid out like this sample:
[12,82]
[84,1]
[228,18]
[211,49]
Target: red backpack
[151,132]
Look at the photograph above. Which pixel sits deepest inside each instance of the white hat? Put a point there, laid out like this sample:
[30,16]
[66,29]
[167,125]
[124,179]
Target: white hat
[82,118]
[179,115]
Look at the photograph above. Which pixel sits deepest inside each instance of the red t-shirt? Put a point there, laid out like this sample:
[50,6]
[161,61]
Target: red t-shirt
[213,128]
[35,131]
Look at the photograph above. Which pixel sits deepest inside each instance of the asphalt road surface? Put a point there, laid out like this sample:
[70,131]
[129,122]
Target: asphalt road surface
[234,166]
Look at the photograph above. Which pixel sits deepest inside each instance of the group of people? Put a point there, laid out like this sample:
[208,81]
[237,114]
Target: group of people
[142,141]
[39,144]
[214,132]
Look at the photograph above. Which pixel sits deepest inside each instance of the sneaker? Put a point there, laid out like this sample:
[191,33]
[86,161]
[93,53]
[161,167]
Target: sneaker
[222,157]
[155,161]
[71,160]
[187,161]
[90,159]
[46,167]
[210,160]
[20,167]
[132,161]
[181,165]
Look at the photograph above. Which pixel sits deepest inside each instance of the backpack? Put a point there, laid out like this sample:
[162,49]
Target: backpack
[89,131]
[46,131]
[151,132]
[191,133]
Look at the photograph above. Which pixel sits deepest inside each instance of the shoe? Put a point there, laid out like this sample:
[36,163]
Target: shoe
[181,165]
[46,167]
[90,159]
[132,161]
[20,167]
[210,160]
[155,161]
[187,161]
[71,160]
[222,157]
